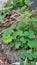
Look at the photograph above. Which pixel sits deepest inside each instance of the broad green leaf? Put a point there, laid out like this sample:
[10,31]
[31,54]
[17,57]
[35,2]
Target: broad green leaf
[27,2]
[26,13]
[14,35]
[7,32]
[33,20]
[13,26]
[32,44]
[28,54]
[24,7]
[17,45]
[23,40]
[17,33]
[23,54]
[21,63]
[7,39]
[26,28]
[31,34]
[28,64]
[33,63]
[24,45]
[21,25]
[35,54]
[26,33]
[20,33]
[1,21]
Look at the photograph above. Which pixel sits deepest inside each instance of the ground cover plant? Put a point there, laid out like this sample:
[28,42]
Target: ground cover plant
[23,34]
[14,4]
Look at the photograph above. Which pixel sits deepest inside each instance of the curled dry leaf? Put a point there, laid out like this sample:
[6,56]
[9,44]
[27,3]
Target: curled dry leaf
[3,61]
